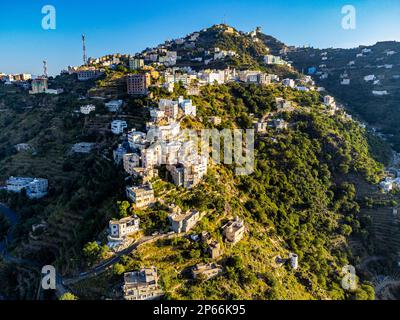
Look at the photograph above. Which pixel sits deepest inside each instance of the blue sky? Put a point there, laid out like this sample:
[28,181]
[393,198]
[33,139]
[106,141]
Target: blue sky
[129,26]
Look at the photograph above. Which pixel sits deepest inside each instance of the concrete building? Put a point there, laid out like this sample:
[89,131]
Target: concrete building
[183,222]
[206,271]
[142,196]
[271,59]
[39,85]
[214,249]
[136,63]
[114,105]
[329,101]
[289,83]
[118,126]
[234,230]
[35,188]
[138,84]
[118,230]
[88,74]
[82,147]
[87,109]
[169,107]
[118,154]
[142,285]
[189,173]
[283,104]
[137,139]
[187,106]
[294,261]
[131,163]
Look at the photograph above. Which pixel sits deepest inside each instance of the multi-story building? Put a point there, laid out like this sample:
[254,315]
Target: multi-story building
[131,162]
[289,82]
[169,107]
[329,101]
[142,196]
[183,222]
[118,126]
[138,84]
[136,63]
[190,172]
[39,85]
[137,139]
[119,153]
[187,106]
[234,230]
[118,230]
[88,74]
[35,188]
[142,285]
[114,105]
[214,249]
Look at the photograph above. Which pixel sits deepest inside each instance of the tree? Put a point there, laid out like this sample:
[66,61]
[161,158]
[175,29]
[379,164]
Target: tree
[91,251]
[68,296]
[4,226]
[118,269]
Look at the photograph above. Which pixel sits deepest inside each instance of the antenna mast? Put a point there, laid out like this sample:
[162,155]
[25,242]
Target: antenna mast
[45,68]
[84,49]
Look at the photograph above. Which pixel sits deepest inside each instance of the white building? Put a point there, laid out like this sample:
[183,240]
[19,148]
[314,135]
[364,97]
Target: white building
[119,229]
[370,77]
[329,101]
[142,196]
[88,109]
[35,188]
[380,92]
[289,83]
[345,82]
[118,126]
[136,139]
[187,106]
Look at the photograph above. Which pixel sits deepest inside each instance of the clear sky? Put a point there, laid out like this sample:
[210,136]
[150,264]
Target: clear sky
[129,26]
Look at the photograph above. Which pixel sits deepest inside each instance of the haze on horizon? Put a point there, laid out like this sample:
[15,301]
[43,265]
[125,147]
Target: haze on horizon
[136,25]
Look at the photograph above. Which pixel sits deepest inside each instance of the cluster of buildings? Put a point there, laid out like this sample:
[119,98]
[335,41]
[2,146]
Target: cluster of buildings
[10,78]
[163,144]
[35,188]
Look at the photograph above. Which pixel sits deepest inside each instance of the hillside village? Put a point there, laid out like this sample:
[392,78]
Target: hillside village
[135,111]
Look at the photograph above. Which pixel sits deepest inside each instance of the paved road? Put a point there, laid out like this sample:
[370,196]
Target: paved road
[105,265]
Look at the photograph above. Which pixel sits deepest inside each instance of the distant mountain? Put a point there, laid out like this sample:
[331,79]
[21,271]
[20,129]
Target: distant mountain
[366,79]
